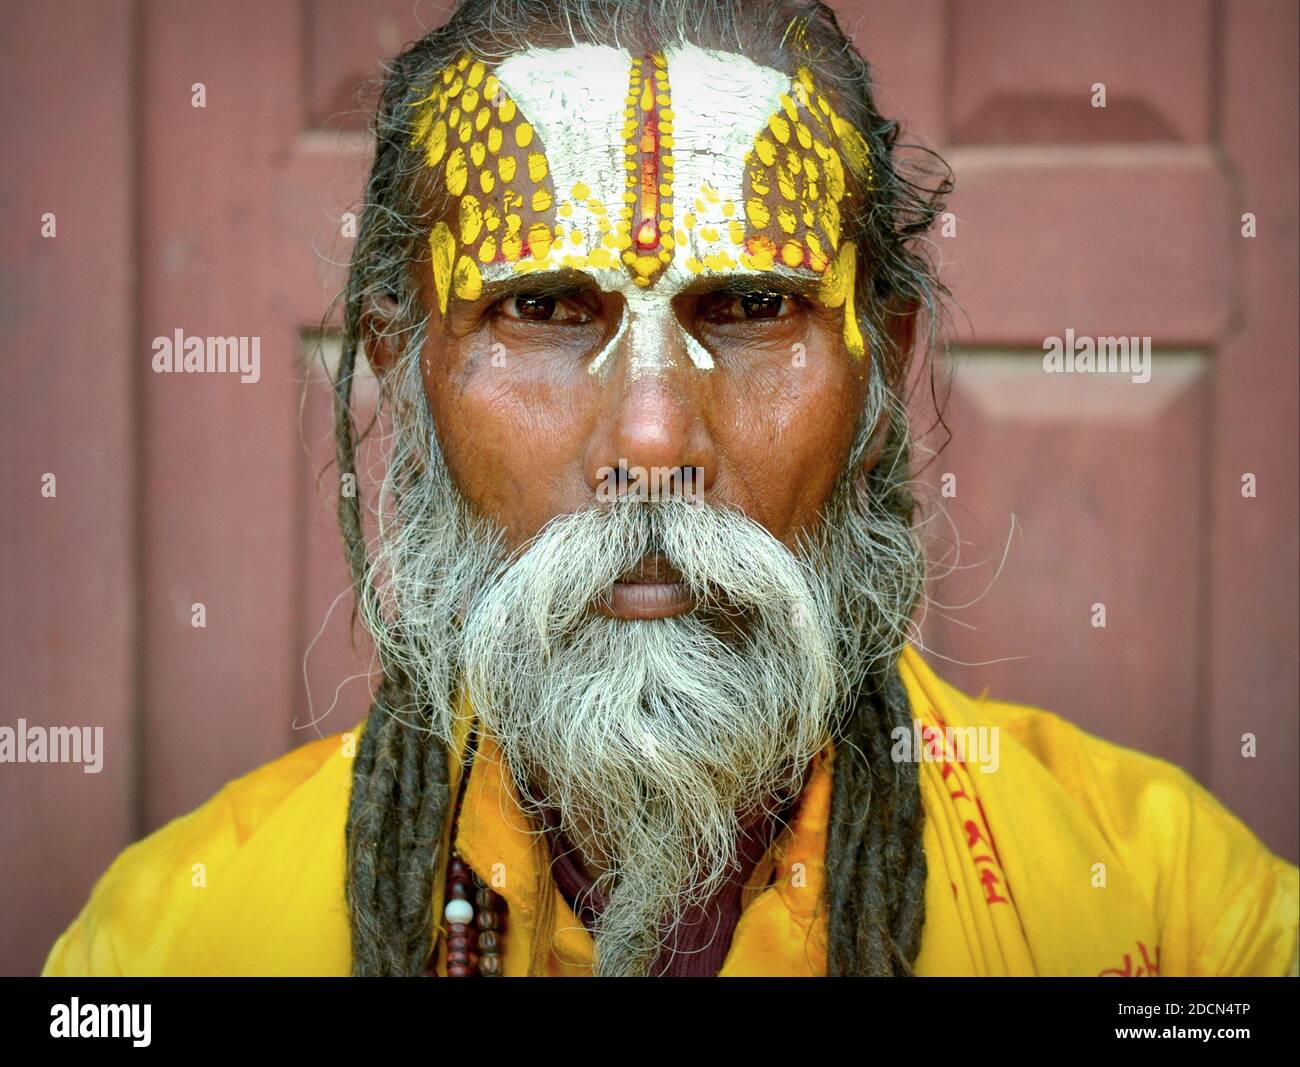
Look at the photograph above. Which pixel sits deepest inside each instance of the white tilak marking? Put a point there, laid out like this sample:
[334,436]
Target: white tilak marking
[574,100]
[614,342]
[649,318]
[649,326]
[698,353]
[721,102]
[574,97]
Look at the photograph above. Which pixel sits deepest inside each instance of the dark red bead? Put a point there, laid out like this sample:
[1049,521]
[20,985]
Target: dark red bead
[459,970]
[459,958]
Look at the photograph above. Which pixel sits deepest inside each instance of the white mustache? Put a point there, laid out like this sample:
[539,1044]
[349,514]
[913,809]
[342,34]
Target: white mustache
[726,559]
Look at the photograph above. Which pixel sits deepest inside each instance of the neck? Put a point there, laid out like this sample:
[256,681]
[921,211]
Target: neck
[592,862]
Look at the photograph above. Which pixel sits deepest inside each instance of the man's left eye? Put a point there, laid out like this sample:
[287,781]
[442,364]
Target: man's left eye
[763,305]
[724,307]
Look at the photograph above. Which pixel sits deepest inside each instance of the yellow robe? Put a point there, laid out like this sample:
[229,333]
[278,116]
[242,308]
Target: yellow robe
[1076,857]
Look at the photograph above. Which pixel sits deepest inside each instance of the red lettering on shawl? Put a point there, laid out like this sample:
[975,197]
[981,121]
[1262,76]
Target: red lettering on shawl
[989,881]
[976,828]
[1149,969]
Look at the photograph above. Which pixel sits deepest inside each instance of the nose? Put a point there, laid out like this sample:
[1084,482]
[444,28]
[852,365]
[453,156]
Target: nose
[653,418]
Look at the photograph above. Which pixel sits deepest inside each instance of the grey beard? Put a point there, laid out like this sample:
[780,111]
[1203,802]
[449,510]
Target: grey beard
[654,739]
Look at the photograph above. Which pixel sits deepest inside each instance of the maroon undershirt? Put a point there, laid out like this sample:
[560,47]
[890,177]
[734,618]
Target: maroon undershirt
[699,944]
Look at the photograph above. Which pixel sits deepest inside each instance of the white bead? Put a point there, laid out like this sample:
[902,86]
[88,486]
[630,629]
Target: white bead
[459,911]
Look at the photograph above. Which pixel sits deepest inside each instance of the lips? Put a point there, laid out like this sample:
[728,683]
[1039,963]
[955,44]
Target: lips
[653,570]
[653,589]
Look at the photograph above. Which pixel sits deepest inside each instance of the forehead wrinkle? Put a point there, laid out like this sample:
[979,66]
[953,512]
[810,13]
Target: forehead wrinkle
[797,280]
[733,162]
[500,281]
[542,282]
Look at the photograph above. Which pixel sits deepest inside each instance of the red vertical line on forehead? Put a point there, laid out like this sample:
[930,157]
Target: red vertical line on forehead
[647,222]
[645,225]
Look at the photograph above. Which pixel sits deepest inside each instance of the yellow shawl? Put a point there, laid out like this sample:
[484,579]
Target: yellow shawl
[1075,857]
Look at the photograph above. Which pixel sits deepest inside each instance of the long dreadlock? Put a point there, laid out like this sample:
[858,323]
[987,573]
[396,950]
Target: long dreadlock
[400,803]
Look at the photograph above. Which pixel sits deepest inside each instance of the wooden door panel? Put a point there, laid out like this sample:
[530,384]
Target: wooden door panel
[1106,482]
[68,607]
[1023,71]
[1105,241]
[1254,646]
[217,456]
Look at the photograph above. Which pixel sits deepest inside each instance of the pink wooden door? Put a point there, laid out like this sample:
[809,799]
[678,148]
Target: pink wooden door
[1123,220]
[177,490]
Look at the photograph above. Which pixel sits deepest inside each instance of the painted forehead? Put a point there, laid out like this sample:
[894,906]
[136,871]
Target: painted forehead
[645,171]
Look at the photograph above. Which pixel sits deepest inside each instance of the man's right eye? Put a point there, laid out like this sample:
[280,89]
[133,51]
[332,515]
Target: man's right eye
[529,308]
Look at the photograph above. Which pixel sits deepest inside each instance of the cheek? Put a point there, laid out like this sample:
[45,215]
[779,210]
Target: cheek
[785,429]
[510,426]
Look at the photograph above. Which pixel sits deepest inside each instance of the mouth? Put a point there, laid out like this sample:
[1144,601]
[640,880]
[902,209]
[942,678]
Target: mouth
[653,589]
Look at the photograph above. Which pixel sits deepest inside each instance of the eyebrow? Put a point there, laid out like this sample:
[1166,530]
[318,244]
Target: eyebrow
[804,284]
[537,283]
[563,281]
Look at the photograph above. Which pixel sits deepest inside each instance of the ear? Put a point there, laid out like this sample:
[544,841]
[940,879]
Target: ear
[900,324]
[376,334]
[875,446]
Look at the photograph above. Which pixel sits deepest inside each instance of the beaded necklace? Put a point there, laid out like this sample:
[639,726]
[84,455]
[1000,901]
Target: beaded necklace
[474,914]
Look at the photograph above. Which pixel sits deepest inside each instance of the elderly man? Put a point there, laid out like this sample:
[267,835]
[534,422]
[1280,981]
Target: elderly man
[640,281]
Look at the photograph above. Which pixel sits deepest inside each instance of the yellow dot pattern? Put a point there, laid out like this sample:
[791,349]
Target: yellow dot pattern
[494,167]
[795,186]
[442,246]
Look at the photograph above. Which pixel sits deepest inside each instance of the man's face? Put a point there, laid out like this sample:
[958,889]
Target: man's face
[640,264]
